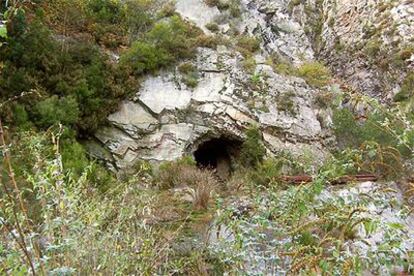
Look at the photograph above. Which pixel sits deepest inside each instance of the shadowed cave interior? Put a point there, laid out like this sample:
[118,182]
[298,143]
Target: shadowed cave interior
[218,154]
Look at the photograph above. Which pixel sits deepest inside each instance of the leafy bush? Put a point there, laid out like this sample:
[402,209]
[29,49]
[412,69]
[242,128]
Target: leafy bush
[167,42]
[54,110]
[139,16]
[78,86]
[20,116]
[314,225]
[315,74]
[107,19]
[266,173]
[77,76]
[252,151]
[105,11]
[66,207]
[176,36]
[143,57]
[346,128]
[350,132]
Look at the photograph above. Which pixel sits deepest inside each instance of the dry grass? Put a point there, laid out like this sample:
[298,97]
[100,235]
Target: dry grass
[204,185]
[184,173]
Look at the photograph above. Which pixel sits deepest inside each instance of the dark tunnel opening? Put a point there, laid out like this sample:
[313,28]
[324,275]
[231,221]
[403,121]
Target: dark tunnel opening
[218,154]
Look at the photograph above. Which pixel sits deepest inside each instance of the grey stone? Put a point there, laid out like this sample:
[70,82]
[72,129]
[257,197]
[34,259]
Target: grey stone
[168,120]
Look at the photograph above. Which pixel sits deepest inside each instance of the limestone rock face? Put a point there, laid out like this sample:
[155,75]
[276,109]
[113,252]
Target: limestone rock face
[367,43]
[166,119]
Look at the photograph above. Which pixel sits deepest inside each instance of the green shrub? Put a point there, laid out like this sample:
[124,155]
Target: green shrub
[77,75]
[175,36]
[105,11]
[20,115]
[74,157]
[80,81]
[189,73]
[249,65]
[167,42]
[285,68]
[108,18]
[281,65]
[315,74]
[266,173]
[373,48]
[351,133]
[213,27]
[248,44]
[139,16]
[234,8]
[407,89]
[57,110]
[209,41]
[347,130]
[143,57]
[252,151]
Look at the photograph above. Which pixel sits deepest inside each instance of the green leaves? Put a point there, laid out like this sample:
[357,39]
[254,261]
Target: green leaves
[370,226]
[144,57]
[3,31]
[253,150]
[54,110]
[315,74]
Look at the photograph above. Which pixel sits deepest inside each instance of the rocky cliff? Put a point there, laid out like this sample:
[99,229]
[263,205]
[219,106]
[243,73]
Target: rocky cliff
[369,44]
[168,118]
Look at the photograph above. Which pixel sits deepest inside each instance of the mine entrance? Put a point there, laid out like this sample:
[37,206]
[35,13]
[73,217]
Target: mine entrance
[218,154]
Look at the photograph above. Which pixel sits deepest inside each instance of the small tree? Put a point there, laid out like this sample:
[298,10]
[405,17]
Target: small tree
[253,150]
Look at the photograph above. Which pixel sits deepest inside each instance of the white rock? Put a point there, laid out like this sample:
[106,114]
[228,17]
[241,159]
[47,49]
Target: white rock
[133,114]
[159,93]
[197,12]
[208,89]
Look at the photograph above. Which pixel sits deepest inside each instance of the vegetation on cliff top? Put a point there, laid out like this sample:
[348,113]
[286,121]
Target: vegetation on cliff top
[57,52]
